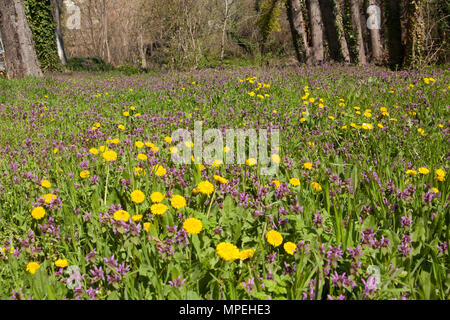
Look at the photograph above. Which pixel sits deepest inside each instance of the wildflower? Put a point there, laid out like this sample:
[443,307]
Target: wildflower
[142,157]
[126,114]
[294,182]
[227,251]
[121,127]
[250,162]
[158,209]
[157,197]
[139,171]
[424,170]
[216,163]
[46,184]
[147,226]
[137,217]
[168,139]
[177,282]
[440,175]
[173,150]
[137,196]
[220,179]
[38,213]
[32,267]
[367,126]
[94,151]
[205,187]
[411,172]
[192,226]
[290,247]
[178,202]
[139,144]
[246,254]
[316,186]
[159,170]
[85,174]
[308,165]
[274,238]
[109,155]
[276,183]
[48,198]
[275,158]
[61,263]
[121,215]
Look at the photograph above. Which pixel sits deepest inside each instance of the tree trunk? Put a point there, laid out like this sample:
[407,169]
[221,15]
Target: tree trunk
[106,35]
[298,31]
[356,21]
[415,33]
[316,30]
[374,25]
[334,30]
[20,55]
[56,12]
[394,33]
[143,51]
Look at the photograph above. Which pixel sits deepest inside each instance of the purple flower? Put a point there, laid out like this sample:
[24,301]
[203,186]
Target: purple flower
[177,282]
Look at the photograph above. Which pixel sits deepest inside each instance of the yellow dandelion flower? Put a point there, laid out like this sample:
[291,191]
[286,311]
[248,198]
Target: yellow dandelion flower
[137,217]
[205,187]
[274,238]
[32,267]
[46,184]
[250,162]
[85,174]
[316,186]
[290,247]
[276,158]
[159,170]
[423,170]
[227,251]
[142,157]
[246,254]
[178,202]
[94,151]
[38,213]
[48,198]
[158,209]
[121,215]
[61,263]
[157,197]
[192,226]
[109,155]
[139,144]
[220,179]
[294,182]
[137,196]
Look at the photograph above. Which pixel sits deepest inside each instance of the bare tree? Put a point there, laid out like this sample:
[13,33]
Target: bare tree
[20,55]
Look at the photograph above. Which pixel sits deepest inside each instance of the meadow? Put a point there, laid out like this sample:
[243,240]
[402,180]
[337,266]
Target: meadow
[92,205]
